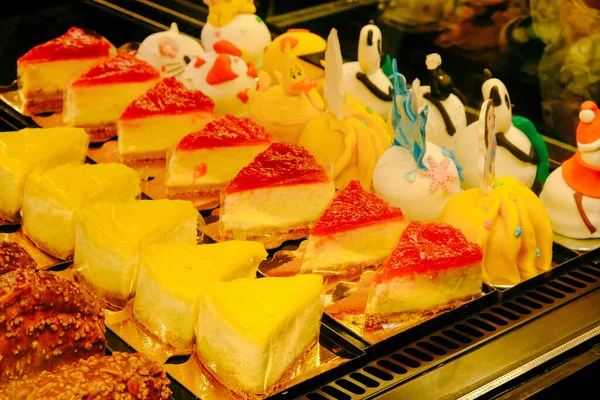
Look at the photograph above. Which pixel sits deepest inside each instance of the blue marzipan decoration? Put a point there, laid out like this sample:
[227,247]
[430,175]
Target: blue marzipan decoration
[518,231]
[450,154]
[409,129]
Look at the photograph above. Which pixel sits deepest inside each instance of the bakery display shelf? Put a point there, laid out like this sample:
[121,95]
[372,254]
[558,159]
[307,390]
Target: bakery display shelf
[537,323]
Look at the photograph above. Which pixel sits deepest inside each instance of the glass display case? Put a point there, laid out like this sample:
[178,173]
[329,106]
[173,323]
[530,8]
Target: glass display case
[512,342]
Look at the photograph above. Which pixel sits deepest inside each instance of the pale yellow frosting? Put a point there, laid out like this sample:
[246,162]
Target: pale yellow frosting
[284,116]
[351,147]
[260,308]
[185,270]
[510,224]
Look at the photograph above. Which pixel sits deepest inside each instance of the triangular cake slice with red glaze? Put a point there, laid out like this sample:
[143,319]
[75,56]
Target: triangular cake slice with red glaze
[282,191]
[46,70]
[204,162]
[97,99]
[157,120]
[356,231]
[432,268]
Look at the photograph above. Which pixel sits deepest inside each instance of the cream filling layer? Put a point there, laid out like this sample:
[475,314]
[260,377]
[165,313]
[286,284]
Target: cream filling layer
[54,76]
[334,253]
[101,104]
[423,292]
[209,167]
[157,134]
[275,207]
[114,269]
[51,224]
[245,365]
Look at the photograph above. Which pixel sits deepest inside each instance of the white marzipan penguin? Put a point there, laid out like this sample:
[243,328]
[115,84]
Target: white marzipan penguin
[364,79]
[515,154]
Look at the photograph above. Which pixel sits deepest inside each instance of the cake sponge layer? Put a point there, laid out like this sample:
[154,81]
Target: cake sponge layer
[52,200]
[152,137]
[341,253]
[263,211]
[208,169]
[110,237]
[101,104]
[251,331]
[23,151]
[173,277]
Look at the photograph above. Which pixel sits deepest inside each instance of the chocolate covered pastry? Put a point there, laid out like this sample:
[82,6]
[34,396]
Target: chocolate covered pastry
[13,256]
[119,376]
[45,321]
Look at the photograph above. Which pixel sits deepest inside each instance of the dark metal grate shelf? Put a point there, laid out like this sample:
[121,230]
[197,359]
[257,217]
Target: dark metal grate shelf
[518,306]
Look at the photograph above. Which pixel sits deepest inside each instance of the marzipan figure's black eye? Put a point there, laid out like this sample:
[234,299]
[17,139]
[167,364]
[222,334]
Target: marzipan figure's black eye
[370,38]
[293,75]
[186,59]
[495,96]
[379,48]
[507,100]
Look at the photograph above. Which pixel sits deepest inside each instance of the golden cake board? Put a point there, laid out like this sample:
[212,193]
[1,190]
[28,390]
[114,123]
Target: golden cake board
[43,260]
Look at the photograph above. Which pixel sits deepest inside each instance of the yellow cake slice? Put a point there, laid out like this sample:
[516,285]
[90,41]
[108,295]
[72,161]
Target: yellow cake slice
[23,151]
[110,237]
[173,277]
[52,199]
[250,332]
[157,120]
[96,100]
[282,191]
[47,69]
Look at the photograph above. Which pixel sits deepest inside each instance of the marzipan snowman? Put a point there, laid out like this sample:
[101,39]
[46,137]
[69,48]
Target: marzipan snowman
[169,51]
[446,109]
[234,24]
[518,155]
[364,79]
[571,194]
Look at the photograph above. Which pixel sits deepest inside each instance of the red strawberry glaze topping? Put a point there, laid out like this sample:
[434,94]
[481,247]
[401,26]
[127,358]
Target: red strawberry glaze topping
[281,164]
[354,207]
[168,96]
[123,68]
[429,248]
[226,131]
[75,44]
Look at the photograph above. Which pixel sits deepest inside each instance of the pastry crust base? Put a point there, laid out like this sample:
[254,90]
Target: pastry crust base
[268,391]
[193,192]
[376,321]
[47,248]
[107,299]
[12,218]
[101,133]
[266,236]
[39,102]
[141,157]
